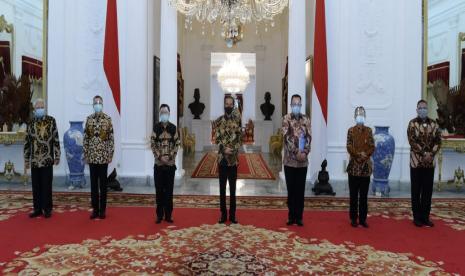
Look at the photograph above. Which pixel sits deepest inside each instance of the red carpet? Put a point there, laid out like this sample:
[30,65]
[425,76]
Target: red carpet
[251,166]
[129,241]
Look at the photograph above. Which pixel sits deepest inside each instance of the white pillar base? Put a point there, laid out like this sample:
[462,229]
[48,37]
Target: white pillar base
[281,173]
[180,171]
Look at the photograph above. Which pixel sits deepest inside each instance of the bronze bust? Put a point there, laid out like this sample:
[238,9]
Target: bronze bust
[267,107]
[196,106]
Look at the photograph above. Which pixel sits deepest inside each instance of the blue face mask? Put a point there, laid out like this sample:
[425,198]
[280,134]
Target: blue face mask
[423,113]
[39,113]
[295,109]
[164,118]
[360,120]
[98,107]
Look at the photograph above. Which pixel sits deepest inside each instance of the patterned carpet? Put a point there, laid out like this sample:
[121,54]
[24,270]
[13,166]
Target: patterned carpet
[251,166]
[128,242]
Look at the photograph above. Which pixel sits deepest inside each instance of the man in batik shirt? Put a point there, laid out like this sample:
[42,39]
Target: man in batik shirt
[41,152]
[98,151]
[165,143]
[360,146]
[228,137]
[424,137]
[297,139]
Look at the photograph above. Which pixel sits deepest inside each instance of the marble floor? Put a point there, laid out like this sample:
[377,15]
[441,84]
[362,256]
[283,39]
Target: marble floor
[194,186]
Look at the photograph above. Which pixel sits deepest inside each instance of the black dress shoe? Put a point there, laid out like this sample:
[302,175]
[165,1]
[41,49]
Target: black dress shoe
[364,224]
[222,220]
[102,215]
[353,223]
[299,222]
[47,214]
[35,214]
[417,223]
[158,220]
[94,215]
[428,223]
[290,222]
[233,220]
[169,220]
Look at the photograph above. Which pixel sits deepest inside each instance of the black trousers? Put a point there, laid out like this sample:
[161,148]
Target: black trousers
[228,174]
[164,183]
[98,186]
[42,188]
[422,190]
[358,187]
[295,183]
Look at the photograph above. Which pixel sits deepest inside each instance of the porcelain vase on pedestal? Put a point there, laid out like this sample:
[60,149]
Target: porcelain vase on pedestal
[382,159]
[73,143]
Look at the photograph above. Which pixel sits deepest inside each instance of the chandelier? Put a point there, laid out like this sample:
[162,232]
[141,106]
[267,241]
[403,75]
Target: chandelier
[230,13]
[233,77]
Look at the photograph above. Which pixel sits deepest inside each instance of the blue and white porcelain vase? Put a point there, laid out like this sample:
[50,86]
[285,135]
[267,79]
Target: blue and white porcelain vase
[382,160]
[73,142]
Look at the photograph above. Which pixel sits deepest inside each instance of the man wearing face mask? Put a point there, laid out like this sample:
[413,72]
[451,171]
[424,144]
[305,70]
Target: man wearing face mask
[424,137]
[360,146]
[165,143]
[41,152]
[297,140]
[98,152]
[228,137]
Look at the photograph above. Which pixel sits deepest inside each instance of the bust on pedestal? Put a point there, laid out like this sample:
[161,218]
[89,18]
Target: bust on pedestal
[322,186]
[197,107]
[267,108]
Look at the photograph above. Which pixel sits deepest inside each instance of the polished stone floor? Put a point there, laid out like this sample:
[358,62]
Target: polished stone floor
[194,186]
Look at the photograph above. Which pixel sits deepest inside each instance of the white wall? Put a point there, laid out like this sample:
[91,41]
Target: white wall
[374,56]
[445,20]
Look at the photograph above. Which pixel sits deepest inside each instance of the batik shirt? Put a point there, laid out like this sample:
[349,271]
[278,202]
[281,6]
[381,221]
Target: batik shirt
[360,139]
[228,134]
[293,127]
[165,142]
[42,145]
[98,139]
[424,136]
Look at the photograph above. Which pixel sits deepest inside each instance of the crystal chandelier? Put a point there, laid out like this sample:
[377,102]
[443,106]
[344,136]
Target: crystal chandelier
[233,76]
[230,13]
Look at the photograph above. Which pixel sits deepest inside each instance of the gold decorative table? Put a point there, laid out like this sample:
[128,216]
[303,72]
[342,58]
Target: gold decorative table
[454,144]
[8,139]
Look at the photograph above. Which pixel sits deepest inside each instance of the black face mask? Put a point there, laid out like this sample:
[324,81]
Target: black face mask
[228,110]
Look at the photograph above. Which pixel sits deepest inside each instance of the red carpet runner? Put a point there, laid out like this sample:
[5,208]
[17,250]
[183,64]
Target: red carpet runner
[251,166]
[129,241]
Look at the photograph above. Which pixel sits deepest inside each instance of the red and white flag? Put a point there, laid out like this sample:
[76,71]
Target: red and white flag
[320,92]
[112,95]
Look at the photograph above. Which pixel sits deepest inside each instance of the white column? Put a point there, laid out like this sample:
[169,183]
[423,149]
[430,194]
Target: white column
[168,67]
[296,53]
[297,50]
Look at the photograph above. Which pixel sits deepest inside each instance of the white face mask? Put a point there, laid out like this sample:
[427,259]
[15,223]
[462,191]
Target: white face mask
[360,120]
[98,107]
[164,118]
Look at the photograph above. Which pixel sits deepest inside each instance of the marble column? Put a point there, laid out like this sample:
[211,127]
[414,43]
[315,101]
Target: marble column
[168,67]
[296,53]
